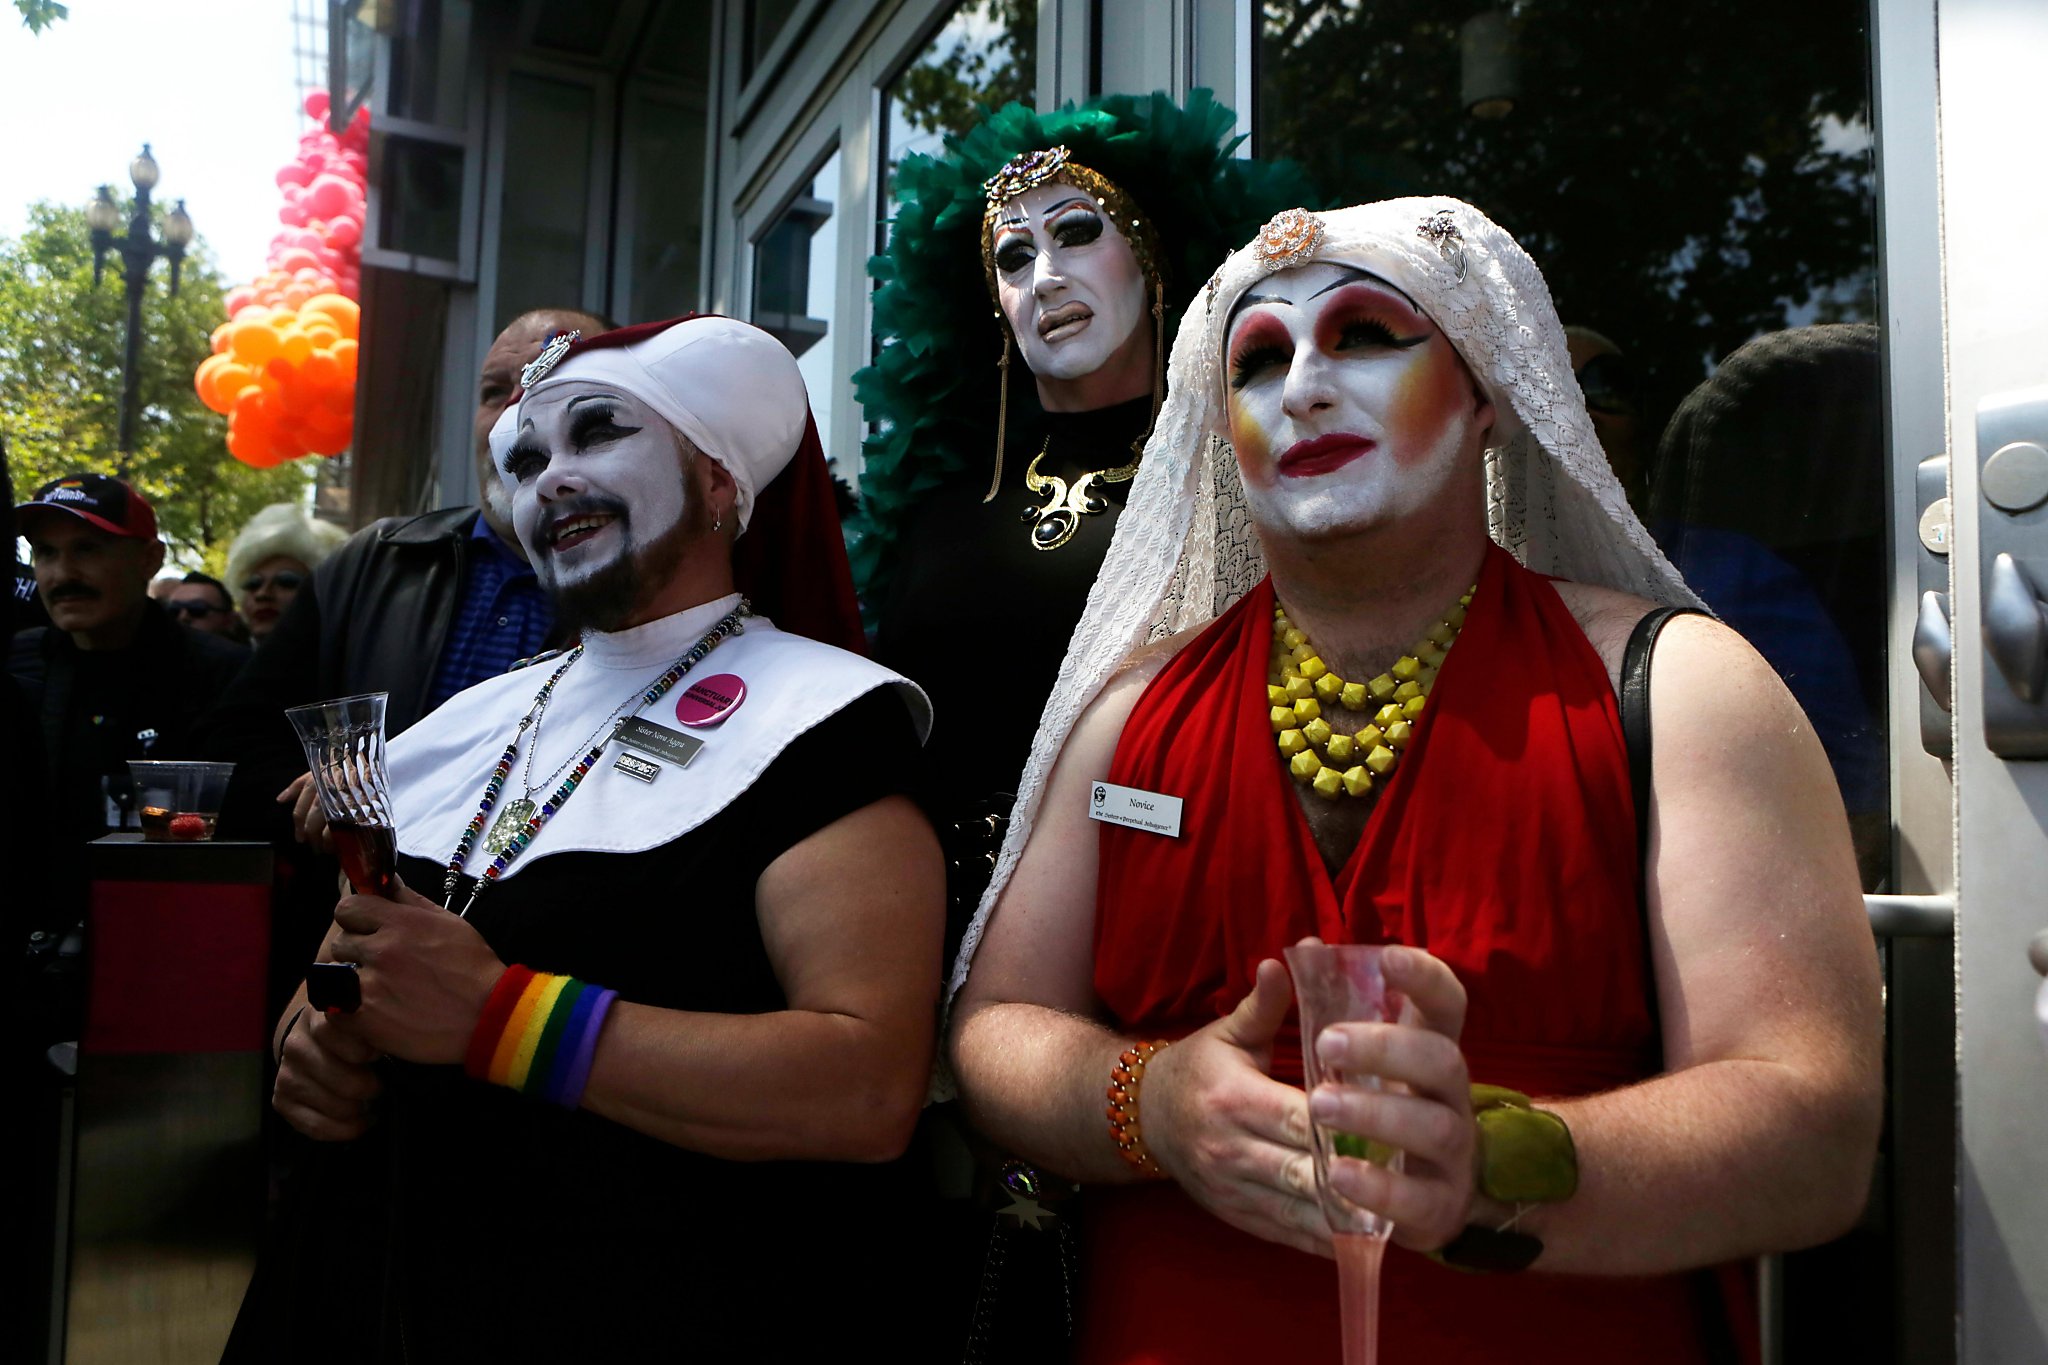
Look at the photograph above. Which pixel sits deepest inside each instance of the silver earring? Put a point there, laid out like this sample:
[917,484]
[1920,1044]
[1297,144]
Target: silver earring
[718,521]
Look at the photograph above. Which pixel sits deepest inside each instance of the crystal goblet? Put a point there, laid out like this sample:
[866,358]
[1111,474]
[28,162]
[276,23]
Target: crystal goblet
[344,744]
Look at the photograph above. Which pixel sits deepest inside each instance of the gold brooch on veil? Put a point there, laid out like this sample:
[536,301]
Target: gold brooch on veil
[1289,238]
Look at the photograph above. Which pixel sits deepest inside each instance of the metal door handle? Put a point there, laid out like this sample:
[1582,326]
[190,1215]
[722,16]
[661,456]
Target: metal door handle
[1911,916]
[1934,646]
[2016,628]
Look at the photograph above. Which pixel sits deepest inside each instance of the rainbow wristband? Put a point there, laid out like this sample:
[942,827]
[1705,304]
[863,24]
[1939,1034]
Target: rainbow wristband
[538,1034]
[490,1024]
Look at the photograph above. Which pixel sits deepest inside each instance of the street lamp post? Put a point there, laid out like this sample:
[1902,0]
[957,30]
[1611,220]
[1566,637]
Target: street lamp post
[138,251]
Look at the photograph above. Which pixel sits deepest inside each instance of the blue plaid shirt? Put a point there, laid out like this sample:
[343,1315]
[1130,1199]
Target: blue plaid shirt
[503,617]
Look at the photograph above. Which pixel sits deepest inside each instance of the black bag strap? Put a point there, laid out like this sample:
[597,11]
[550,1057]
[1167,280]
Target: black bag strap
[1716,1304]
[1635,714]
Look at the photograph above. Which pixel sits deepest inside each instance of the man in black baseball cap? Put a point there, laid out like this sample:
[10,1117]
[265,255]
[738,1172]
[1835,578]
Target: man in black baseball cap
[95,551]
[113,677]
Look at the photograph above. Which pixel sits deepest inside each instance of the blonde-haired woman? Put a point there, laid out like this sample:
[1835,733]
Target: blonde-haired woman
[272,558]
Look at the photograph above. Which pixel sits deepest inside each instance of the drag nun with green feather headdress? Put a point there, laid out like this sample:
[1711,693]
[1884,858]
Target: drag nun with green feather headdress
[1034,276]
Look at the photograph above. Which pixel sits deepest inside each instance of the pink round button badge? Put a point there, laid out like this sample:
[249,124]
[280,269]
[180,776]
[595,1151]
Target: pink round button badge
[710,700]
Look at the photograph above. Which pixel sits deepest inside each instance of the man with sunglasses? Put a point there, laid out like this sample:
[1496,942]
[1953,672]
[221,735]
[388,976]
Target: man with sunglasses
[113,677]
[201,602]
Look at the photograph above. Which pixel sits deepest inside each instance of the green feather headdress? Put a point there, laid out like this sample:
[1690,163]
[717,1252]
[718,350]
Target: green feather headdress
[932,392]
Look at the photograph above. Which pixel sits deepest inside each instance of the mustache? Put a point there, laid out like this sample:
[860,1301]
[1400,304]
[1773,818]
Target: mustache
[584,505]
[72,592]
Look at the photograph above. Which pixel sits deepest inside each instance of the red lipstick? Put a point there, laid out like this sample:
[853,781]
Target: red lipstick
[1322,454]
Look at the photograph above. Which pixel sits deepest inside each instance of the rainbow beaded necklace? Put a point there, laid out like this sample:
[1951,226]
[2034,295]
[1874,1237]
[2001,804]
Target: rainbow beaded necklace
[731,624]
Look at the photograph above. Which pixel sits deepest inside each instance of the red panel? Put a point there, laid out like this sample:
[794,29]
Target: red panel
[177,966]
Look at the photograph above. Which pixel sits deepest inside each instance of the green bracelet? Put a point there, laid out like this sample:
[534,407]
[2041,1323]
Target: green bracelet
[1526,1157]
[1526,1154]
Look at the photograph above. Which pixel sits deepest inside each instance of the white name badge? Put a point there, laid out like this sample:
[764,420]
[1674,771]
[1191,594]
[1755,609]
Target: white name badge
[1134,809]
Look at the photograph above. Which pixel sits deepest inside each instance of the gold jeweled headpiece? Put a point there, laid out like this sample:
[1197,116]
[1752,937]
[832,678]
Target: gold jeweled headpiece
[1023,172]
[1029,170]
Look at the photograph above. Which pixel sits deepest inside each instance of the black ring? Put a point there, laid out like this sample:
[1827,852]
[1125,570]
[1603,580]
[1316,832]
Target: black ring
[334,986]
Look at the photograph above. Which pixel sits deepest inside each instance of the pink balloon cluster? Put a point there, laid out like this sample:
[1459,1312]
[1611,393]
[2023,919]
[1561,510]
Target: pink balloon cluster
[284,364]
[319,249]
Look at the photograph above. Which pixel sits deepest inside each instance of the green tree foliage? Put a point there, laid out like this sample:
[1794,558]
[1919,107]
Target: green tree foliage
[992,59]
[1688,176]
[37,15]
[60,384]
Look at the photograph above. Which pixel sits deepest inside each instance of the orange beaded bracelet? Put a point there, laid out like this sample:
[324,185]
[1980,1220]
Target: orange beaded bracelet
[1124,1079]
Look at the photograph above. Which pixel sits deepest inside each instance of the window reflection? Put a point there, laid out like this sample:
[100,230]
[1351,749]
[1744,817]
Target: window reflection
[420,208]
[764,21]
[545,211]
[1770,498]
[793,285]
[986,53]
[665,158]
[1706,221]
[428,70]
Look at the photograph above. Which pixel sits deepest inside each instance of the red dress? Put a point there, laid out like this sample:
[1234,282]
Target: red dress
[1505,844]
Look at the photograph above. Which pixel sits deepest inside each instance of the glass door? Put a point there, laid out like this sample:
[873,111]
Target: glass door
[1757,332]
[1994,203]
[1708,225]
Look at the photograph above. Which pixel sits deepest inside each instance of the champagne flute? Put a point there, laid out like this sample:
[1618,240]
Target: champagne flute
[344,744]
[1336,983]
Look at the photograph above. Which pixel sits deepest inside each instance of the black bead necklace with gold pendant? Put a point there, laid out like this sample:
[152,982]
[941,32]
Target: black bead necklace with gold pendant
[1054,524]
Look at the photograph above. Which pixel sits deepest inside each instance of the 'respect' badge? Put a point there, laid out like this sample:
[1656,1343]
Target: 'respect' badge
[710,700]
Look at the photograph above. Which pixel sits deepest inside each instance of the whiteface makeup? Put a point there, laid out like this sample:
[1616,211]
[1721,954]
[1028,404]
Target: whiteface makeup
[596,479]
[1068,282]
[1348,407]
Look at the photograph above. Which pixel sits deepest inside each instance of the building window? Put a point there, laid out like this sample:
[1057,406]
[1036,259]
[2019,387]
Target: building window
[544,217]
[986,53]
[658,251]
[764,23]
[420,207]
[429,67]
[794,283]
[665,164]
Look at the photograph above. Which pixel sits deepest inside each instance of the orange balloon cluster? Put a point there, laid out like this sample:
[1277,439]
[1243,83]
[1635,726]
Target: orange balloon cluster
[283,368]
[286,378]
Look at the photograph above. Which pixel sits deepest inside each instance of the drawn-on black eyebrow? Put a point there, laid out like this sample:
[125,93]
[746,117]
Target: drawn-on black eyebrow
[1353,275]
[1248,300]
[587,398]
[1024,223]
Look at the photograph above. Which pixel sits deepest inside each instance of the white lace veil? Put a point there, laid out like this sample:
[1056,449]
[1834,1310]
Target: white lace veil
[1184,548]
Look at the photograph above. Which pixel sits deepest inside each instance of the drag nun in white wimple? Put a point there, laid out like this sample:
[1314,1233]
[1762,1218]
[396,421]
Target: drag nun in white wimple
[607,523]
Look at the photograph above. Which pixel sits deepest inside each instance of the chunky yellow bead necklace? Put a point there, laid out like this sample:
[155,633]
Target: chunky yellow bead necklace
[1299,684]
